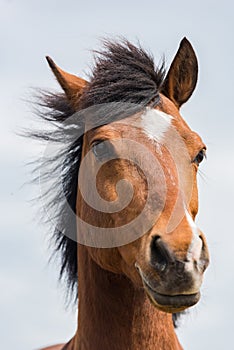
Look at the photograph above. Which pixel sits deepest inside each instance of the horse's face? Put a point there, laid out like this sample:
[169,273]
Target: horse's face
[168,262]
[157,153]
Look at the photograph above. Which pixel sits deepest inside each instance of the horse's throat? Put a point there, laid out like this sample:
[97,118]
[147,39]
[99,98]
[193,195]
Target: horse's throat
[114,315]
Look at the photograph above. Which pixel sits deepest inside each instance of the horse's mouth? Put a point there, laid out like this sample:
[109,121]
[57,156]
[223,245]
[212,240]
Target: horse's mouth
[172,303]
[166,302]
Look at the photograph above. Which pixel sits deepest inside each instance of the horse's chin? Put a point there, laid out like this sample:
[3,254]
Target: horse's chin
[168,302]
[171,303]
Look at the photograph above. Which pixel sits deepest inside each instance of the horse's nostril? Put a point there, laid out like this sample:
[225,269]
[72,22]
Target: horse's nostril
[160,254]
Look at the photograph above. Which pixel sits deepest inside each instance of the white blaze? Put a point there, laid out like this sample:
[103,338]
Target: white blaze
[155,124]
[194,251]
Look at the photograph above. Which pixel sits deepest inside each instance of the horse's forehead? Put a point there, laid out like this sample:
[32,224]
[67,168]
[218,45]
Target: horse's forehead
[151,125]
[192,139]
[156,125]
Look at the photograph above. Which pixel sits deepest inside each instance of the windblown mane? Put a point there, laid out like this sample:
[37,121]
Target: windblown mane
[124,73]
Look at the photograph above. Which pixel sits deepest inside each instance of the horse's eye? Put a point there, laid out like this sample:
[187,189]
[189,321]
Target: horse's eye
[103,150]
[200,156]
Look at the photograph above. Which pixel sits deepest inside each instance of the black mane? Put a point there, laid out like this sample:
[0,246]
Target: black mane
[122,73]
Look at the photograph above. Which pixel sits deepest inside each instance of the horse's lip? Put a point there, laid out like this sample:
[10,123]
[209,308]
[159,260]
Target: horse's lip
[173,301]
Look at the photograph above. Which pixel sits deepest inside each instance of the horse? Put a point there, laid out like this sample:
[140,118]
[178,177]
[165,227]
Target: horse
[130,248]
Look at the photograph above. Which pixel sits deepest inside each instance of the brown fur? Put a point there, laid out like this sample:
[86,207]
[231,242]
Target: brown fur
[114,310]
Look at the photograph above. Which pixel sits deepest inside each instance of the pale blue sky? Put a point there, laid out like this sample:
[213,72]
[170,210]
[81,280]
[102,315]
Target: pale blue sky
[31,304]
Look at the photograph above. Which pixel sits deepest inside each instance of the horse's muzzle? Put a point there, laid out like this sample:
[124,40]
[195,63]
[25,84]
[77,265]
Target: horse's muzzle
[171,283]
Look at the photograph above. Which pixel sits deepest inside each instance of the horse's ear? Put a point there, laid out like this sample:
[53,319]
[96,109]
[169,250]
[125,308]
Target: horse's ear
[71,84]
[181,78]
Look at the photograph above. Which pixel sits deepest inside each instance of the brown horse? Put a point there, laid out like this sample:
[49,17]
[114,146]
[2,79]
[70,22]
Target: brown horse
[136,252]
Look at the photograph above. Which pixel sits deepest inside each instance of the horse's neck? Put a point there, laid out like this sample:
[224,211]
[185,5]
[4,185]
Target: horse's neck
[114,315]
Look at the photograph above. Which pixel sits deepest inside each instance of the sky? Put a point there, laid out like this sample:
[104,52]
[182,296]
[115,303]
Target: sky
[32,303]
